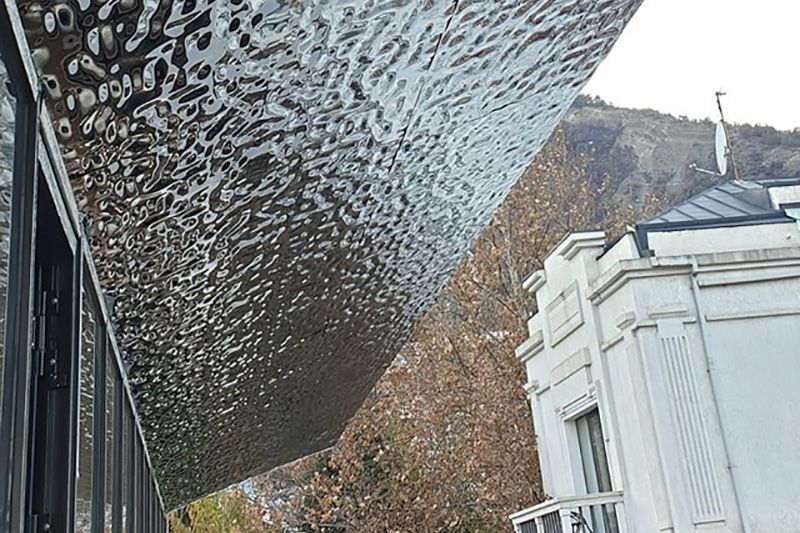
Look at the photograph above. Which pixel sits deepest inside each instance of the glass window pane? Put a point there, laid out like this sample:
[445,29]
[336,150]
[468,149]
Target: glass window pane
[125,469]
[152,506]
[135,482]
[601,519]
[111,383]
[599,452]
[147,500]
[140,477]
[7,109]
[83,494]
[584,441]
[593,453]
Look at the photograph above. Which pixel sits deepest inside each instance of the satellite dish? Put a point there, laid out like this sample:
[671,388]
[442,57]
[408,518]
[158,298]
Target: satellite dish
[721,149]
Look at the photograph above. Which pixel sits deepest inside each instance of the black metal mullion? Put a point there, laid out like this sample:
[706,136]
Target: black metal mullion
[145,491]
[119,450]
[146,498]
[154,502]
[16,363]
[140,498]
[153,506]
[99,440]
[148,503]
[131,481]
[75,380]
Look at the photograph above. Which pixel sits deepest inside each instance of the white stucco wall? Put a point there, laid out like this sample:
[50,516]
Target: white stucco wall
[694,361]
[701,241]
[753,336]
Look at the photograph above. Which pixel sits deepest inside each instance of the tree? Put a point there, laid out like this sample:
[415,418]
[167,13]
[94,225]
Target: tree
[230,511]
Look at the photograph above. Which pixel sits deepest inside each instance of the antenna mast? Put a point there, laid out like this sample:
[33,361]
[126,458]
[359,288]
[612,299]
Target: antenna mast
[729,146]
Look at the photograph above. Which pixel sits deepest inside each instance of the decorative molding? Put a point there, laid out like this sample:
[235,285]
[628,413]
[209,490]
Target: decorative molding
[696,455]
[572,364]
[531,387]
[676,310]
[532,346]
[758,275]
[564,314]
[716,269]
[535,281]
[575,242]
[624,271]
[579,405]
[767,313]
[613,341]
[644,324]
[624,320]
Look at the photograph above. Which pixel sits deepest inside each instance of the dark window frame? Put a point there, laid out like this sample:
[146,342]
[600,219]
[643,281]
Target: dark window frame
[39,171]
[140,473]
[119,451]
[111,428]
[16,369]
[51,390]
[133,462]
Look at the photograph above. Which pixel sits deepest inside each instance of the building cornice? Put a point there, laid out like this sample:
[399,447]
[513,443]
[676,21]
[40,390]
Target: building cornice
[766,313]
[619,274]
[717,269]
[535,281]
[531,347]
[575,242]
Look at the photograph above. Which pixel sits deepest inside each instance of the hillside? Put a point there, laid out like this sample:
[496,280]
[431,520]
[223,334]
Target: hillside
[644,151]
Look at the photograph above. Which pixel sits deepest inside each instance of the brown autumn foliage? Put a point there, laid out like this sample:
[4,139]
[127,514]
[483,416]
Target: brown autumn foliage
[230,511]
[445,441]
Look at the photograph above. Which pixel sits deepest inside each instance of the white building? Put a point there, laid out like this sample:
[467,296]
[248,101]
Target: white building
[664,371]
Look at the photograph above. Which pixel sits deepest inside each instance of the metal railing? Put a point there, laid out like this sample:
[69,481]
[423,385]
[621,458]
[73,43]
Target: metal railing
[591,513]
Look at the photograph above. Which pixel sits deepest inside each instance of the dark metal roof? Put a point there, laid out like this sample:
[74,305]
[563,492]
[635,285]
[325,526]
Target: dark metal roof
[731,200]
[732,203]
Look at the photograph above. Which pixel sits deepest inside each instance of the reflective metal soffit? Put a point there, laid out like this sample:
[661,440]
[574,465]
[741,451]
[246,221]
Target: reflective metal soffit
[276,190]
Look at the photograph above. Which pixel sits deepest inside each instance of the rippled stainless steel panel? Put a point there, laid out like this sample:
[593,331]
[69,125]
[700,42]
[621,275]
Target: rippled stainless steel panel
[277,190]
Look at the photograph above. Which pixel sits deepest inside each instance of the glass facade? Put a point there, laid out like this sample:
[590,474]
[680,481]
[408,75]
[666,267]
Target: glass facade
[125,469]
[7,130]
[84,492]
[68,432]
[111,429]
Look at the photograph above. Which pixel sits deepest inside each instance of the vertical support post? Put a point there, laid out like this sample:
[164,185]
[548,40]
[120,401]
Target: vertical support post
[566,520]
[75,381]
[119,450]
[99,430]
[130,517]
[622,520]
[16,367]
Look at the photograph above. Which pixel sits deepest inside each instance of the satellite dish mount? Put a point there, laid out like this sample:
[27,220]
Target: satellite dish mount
[722,146]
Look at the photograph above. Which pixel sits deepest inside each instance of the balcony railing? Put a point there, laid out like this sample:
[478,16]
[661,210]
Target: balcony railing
[592,513]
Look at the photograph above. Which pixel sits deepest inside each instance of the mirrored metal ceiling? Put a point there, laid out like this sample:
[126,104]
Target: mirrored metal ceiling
[277,189]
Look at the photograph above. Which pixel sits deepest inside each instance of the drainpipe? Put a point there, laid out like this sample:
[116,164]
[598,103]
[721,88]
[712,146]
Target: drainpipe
[701,323]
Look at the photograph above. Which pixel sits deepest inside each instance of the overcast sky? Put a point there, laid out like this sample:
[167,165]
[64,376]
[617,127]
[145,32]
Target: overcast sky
[675,54]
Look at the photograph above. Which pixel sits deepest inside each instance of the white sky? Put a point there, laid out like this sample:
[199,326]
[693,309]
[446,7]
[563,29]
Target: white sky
[675,54]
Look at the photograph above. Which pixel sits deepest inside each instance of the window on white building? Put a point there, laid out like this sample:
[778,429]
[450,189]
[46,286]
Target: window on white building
[593,452]
[601,518]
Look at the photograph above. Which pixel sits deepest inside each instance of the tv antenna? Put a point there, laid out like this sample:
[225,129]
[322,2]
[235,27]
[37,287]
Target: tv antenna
[722,146]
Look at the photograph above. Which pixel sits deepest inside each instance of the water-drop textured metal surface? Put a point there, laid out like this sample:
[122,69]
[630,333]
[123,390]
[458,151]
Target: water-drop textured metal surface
[278,188]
